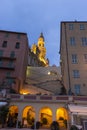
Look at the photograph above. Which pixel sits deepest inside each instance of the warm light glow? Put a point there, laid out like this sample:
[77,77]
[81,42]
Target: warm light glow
[28,115]
[24,91]
[13,109]
[46,112]
[61,112]
[30,110]
[49,73]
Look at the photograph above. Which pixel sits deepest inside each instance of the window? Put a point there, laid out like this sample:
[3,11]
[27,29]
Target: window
[70,26]
[12,55]
[85,58]
[18,36]
[76,74]
[72,41]
[17,45]
[8,74]
[74,58]
[77,89]
[84,41]
[1,62]
[7,34]
[10,81]
[10,64]
[4,44]
[1,52]
[82,27]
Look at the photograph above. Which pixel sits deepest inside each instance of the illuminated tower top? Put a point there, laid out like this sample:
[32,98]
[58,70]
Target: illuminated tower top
[42,49]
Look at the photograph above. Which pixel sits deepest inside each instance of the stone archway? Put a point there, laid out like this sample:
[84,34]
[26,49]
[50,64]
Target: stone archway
[45,116]
[13,109]
[62,116]
[28,116]
[12,116]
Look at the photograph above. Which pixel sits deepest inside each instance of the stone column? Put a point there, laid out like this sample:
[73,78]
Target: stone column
[54,114]
[19,116]
[37,114]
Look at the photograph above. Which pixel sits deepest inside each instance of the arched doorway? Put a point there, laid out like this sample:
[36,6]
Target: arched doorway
[12,116]
[62,116]
[28,116]
[45,116]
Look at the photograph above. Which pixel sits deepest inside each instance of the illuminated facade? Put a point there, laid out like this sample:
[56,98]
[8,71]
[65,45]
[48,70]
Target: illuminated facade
[42,50]
[33,59]
[73,55]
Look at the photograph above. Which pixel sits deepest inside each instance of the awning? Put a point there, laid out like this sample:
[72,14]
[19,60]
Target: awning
[78,109]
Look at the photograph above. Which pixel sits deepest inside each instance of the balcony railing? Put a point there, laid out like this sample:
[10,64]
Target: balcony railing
[7,67]
[7,58]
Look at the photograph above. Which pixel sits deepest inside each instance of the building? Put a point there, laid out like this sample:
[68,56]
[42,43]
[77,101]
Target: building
[13,59]
[66,110]
[40,50]
[73,55]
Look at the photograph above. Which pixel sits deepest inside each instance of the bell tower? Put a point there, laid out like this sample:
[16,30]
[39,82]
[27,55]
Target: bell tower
[42,48]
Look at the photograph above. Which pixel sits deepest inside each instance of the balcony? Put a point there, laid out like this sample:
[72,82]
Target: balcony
[11,77]
[7,58]
[7,67]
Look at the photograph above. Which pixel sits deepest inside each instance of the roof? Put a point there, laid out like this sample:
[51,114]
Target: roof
[74,21]
[13,32]
[41,35]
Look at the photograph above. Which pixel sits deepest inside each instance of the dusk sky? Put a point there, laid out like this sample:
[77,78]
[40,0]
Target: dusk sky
[36,16]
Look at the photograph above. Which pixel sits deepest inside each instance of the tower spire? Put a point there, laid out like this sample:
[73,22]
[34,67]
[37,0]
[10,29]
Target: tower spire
[41,36]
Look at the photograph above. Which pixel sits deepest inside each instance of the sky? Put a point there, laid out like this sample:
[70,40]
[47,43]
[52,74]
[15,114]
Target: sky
[36,16]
